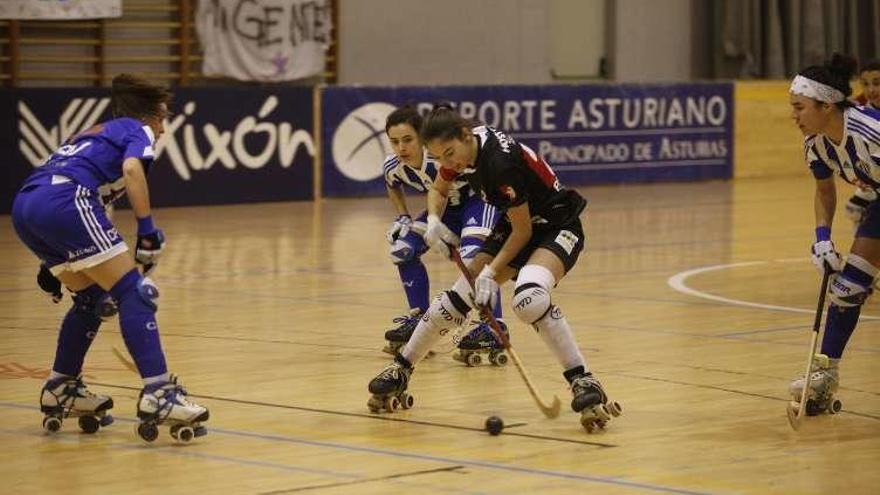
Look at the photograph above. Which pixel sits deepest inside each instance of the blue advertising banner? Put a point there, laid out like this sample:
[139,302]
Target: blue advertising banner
[221,145]
[589,134]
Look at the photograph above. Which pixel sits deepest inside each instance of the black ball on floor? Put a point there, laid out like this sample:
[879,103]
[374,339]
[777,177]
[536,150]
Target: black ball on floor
[494,425]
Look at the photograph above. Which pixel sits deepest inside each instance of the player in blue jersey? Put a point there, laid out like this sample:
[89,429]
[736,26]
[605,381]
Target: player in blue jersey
[60,214]
[841,139]
[466,215]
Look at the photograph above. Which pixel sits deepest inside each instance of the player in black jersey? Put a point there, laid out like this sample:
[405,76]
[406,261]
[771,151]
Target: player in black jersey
[538,241]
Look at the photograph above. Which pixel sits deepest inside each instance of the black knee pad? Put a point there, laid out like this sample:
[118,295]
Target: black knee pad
[95,301]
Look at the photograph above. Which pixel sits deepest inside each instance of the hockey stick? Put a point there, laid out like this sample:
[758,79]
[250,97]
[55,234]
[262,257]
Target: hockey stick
[550,411]
[795,417]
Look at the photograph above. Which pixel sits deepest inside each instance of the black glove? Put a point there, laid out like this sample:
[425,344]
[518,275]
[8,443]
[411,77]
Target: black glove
[149,247]
[49,283]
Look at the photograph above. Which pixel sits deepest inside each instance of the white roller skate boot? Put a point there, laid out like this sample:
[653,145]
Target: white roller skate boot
[68,397]
[824,382]
[389,388]
[591,401]
[481,345]
[166,402]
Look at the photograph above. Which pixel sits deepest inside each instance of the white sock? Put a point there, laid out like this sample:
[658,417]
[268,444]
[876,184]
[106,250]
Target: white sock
[55,375]
[423,339]
[555,332]
[150,380]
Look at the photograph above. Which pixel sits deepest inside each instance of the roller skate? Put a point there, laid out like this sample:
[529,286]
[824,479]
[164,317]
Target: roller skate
[591,401]
[68,397]
[166,403]
[824,381]
[398,337]
[389,388]
[480,345]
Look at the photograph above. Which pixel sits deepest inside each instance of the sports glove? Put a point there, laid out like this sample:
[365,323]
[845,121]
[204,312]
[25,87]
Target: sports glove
[439,237]
[49,283]
[858,204]
[824,252]
[486,288]
[150,241]
[399,228]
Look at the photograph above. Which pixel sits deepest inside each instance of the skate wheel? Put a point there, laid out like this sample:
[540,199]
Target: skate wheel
[182,433]
[474,359]
[588,424]
[392,404]
[148,431]
[106,420]
[834,406]
[51,424]
[500,359]
[813,408]
[406,400]
[601,413]
[614,408]
[374,405]
[200,431]
[89,424]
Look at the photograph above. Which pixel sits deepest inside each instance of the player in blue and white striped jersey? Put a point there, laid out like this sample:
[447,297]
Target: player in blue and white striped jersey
[60,214]
[841,139]
[869,78]
[466,215]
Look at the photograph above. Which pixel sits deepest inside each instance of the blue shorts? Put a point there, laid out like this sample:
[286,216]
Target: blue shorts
[65,225]
[870,224]
[473,217]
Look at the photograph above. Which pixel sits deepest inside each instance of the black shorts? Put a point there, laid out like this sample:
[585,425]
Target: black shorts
[566,242]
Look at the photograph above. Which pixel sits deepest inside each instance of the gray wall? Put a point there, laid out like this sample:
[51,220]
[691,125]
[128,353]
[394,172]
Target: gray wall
[443,42]
[404,42]
[651,40]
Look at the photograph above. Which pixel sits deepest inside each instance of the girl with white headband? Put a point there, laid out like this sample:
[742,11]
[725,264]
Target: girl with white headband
[841,138]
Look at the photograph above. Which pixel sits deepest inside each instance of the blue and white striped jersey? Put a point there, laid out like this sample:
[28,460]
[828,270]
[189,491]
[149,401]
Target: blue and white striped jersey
[398,173]
[857,157]
[93,158]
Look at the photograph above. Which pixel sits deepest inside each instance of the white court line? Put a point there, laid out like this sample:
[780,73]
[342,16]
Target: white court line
[677,282]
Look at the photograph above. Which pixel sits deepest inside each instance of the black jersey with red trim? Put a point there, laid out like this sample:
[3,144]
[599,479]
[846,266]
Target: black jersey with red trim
[507,174]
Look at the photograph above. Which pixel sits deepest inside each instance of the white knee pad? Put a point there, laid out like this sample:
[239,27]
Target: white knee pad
[447,311]
[531,298]
[852,286]
[402,252]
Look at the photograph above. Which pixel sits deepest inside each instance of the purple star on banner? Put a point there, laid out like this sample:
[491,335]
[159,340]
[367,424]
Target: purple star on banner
[280,63]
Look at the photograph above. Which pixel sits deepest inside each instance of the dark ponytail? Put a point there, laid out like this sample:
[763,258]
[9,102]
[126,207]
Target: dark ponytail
[836,73]
[444,123]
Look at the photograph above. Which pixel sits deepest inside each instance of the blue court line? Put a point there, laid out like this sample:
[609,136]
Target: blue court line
[423,457]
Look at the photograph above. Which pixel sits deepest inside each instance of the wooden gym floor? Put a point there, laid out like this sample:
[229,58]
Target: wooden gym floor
[693,305]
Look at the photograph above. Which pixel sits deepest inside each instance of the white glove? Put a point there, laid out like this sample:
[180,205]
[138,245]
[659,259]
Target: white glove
[439,237]
[824,252]
[486,288]
[858,203]
[399,228]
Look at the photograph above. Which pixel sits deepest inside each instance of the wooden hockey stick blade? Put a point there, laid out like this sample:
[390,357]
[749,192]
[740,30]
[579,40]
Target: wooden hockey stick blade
[125,362]
[794,419]
[550,411]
